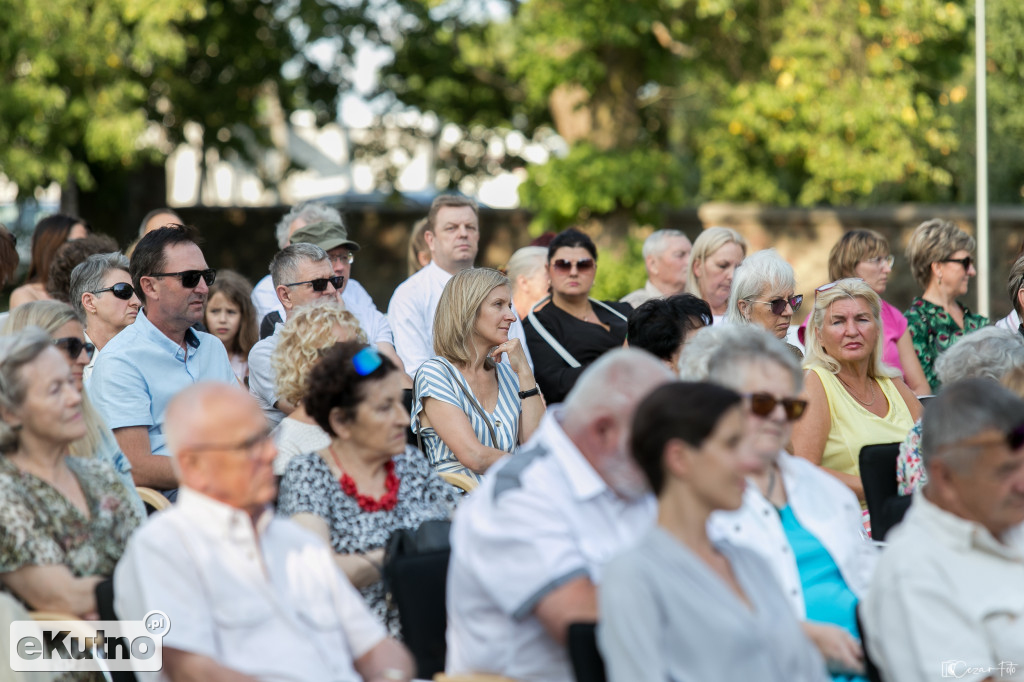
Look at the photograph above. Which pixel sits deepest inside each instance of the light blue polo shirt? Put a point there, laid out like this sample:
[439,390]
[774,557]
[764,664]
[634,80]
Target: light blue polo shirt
[140,370]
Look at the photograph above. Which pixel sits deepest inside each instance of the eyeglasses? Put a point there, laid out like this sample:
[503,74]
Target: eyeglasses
[762,404]
[966,262]
[367,361]
[190,278]
[73,346]
[825,287]
[251,446]
[879,260]
[343,257]
[563,265]
[320,284]
[122,290]
[778,305]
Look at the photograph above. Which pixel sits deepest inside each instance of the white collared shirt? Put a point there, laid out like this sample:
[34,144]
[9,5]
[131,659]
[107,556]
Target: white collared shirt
[411,314]
[947,600]
[826,509]
[541,518]
[268,601]
[640,296]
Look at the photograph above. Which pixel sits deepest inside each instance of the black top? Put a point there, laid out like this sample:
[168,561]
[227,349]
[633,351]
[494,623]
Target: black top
[585,341]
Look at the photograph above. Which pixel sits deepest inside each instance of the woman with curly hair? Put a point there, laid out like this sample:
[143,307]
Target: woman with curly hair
[310,331]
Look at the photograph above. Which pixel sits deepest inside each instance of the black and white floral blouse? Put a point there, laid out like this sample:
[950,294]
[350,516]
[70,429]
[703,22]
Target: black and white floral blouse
[308,486]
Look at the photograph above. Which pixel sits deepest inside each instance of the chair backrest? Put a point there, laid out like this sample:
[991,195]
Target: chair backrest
[415,574]
[460,481]
[878,474]
[153,500]
[587,664]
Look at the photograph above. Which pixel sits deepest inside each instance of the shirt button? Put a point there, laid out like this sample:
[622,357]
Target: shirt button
[795,592]
[767,513]
[738,529]
[785,548]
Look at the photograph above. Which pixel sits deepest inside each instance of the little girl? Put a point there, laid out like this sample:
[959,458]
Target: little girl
[231,317]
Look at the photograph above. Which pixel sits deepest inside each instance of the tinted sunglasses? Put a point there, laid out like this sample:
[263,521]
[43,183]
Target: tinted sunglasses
[367,361]
[965,262]
[762,405]
[122,290]
[190,278]
[778,305]
[564,265]
[74,346]
[320,284]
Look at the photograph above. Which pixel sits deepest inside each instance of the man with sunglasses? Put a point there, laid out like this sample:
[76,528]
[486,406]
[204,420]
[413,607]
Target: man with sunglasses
[947,599]
[102,294]
[302,274]
[453,238]
[149,362]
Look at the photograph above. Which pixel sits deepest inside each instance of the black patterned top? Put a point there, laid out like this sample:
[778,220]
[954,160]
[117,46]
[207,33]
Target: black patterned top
[309,486]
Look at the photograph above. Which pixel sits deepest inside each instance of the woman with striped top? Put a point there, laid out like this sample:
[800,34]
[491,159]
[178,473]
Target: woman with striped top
[469,406]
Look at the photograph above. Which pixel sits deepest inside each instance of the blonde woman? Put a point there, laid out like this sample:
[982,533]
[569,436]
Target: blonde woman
[309,331]
[469,407]
[62,323]
[716,254]
[940,259]
[854,399]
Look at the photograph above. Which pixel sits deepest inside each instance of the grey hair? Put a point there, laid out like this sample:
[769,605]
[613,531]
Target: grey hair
[526,262]
[614,384]
[725,354]
[960,412]
[990,352]
[88,276]
[16,351]
[286,262]
[310,212]
[763,271]
[656,242]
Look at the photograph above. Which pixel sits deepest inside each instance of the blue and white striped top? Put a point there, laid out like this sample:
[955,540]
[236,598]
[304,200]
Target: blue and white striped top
[434,381]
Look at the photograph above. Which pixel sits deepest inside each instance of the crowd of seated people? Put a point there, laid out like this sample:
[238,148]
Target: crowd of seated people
[680,468]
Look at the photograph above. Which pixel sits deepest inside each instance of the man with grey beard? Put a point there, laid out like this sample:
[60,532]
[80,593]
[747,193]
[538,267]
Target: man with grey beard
[529,544]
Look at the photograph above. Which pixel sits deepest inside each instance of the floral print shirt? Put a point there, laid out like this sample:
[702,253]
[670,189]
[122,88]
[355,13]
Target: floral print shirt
[910,473]
[933,330]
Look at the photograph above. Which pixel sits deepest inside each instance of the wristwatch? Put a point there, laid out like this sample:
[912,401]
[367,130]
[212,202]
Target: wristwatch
[523,395]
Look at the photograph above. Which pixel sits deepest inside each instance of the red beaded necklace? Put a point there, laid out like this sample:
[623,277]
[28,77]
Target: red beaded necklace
[385,502]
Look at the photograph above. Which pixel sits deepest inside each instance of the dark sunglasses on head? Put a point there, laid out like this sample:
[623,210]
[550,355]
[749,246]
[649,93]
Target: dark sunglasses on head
[367,361]
[1015,438]
[565,265]
[121,290]
[762,405]
[966,262]
[190,278]
[74,346]
[320,284]
[778,305]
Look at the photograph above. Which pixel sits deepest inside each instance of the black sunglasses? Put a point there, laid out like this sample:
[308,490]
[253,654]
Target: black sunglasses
[190,278]
[762,405]
[74,346]
[966,262]
[778,305]
[121,290]
[565,265]
[320,284]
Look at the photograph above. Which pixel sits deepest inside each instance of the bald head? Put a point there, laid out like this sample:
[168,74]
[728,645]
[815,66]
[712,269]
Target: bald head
[221,445]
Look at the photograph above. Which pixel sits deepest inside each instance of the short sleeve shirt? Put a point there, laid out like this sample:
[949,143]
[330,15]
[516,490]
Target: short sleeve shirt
[140,370]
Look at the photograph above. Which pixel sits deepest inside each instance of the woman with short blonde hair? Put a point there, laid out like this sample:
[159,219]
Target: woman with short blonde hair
[309,331]
[940,260]
[470,407]
[716,253]
[854,399]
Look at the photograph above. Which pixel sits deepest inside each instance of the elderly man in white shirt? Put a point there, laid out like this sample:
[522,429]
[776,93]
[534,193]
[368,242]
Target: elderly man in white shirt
[666,257]
[529,544]
[947,599]
[249,595]
[453,237]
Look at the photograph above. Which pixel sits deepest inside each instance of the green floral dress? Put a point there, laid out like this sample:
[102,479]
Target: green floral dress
[39,526]
[933,330]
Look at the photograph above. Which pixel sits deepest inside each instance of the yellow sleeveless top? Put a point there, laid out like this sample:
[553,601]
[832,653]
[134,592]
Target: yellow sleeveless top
[853,426]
